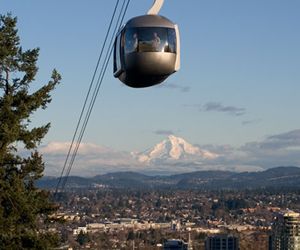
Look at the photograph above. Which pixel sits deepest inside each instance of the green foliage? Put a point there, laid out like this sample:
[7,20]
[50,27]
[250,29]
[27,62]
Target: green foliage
[22,205]
[130,235]
[234,204]
[82,238]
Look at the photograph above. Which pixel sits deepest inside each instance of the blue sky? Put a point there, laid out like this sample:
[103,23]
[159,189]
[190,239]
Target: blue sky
[239,81]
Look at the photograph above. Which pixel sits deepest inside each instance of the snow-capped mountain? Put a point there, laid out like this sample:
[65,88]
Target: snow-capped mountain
[174,149]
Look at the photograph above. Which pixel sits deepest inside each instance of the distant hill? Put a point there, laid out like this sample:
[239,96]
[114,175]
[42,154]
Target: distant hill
[275,177]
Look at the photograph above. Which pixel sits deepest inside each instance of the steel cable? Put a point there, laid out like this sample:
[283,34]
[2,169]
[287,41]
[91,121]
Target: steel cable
[63,179]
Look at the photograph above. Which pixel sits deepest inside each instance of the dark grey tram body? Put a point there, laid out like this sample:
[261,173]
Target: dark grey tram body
[146,51]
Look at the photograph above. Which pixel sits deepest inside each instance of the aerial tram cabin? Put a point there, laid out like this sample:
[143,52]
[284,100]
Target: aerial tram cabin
[146,50]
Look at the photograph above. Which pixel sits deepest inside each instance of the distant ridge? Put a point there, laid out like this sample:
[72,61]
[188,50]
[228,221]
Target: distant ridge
[277,177]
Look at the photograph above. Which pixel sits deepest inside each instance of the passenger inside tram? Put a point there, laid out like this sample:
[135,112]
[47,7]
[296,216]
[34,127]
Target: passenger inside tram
[147,39]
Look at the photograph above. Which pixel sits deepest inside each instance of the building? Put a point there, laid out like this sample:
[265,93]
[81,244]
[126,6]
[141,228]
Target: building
[175,245]
[175,225]
[286,232]
[222,242]
[80,229]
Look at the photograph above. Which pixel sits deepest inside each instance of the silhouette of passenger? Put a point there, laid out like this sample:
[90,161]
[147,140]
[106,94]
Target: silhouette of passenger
[156,41]
[135,42]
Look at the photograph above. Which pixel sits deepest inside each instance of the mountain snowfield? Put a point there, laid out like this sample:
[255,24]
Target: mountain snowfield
[173,149]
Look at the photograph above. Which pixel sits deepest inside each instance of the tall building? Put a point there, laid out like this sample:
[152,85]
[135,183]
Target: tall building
[222,242]
[286,232]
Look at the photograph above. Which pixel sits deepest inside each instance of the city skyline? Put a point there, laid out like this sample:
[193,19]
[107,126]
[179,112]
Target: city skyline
[236,92]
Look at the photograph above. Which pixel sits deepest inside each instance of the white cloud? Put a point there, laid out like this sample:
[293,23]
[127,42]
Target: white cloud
[218,107]
[174,86]
[63,148]
[90,159]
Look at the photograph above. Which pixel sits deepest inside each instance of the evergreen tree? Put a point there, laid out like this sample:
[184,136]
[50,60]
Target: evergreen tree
[82,238]
[22,205]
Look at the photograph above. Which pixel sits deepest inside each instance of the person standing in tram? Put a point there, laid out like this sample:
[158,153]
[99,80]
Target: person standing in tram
[135,42]
[156,41]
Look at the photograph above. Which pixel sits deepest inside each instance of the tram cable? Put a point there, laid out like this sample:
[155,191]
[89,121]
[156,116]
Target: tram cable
[63,179]
[97,88]
[87,96]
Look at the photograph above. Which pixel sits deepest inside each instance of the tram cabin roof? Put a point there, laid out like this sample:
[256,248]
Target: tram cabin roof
[149,21]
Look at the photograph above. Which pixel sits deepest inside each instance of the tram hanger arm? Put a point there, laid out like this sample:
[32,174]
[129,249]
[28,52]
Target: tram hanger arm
[156,7]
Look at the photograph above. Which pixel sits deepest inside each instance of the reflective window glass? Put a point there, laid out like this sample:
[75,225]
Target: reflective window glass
[171,41]
[150,39]
[117,58]
[131,40]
